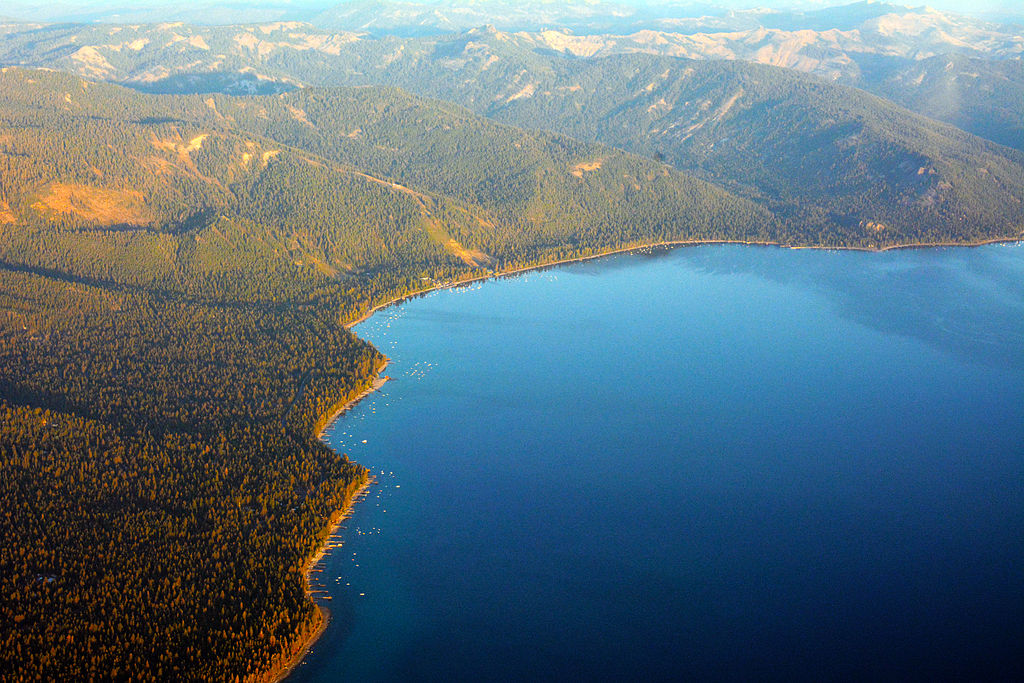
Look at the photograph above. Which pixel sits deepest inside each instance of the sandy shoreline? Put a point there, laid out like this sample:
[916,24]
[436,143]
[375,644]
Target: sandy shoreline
[307,570]
[281,672]
[378,382]
[656,245]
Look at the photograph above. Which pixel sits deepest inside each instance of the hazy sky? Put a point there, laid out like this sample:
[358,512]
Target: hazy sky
[37,10]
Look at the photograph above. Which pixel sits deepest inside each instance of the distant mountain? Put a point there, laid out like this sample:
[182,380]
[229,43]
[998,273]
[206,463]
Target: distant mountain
[981,96]
[822,154]
[830,52]
[207,12]
[242,82]
[440,16]
[832,157]
[435,17]
[878,47]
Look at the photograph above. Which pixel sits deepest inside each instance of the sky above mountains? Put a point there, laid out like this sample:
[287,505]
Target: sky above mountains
[215,12]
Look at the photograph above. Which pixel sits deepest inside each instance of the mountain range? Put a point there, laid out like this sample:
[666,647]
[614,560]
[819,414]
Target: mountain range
[756,114]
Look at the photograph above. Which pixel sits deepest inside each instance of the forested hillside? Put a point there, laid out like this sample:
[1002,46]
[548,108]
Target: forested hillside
[981,96]
[160,488]
[824,156]
[827,157]
[343,183]
[820,154]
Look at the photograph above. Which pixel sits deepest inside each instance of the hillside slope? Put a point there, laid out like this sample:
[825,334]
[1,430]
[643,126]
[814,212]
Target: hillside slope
[981,96]
[346,182]
[819,153]
[828,158]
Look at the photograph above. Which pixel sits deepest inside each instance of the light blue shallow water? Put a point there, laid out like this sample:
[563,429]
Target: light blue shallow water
[720,462]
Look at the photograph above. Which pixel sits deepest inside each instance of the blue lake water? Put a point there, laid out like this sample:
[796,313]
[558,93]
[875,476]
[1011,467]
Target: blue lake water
[712,462]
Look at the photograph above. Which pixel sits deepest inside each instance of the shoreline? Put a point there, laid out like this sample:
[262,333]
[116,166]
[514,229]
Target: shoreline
[656,245]
[291,663]
[285,668]
[378,382]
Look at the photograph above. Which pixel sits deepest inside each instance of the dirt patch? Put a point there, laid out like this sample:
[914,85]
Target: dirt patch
[324,267]
[196,142]
[299,115]
[247,40]
[728,105]
[7,217]
[281,26]
[722,110]
[99,205]
[473,258]
[528,90]
[435,229]
[179,147]
[92,63]
[580,46]
[586,166]
[657,105]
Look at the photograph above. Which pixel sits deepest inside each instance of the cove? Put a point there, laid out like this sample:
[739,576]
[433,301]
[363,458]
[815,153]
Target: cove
[715,462]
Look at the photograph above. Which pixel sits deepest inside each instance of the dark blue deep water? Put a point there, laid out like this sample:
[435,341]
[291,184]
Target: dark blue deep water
[719,462]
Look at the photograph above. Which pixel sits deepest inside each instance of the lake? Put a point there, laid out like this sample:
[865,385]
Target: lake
[715,462]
